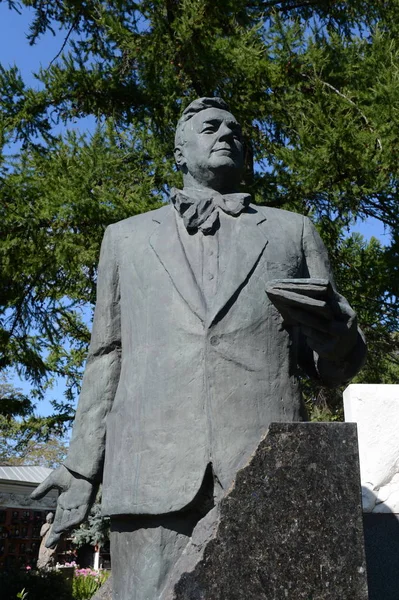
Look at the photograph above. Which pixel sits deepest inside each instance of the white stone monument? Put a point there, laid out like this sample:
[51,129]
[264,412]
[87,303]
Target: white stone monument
[375,409]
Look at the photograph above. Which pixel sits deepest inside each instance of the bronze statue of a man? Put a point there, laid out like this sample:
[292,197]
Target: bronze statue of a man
[196,343]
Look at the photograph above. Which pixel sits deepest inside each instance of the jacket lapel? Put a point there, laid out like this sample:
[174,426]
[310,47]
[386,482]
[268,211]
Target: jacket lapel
[166,243]
[237,263]
[238,260]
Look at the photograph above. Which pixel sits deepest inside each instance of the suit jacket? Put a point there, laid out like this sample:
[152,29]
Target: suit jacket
[171,386]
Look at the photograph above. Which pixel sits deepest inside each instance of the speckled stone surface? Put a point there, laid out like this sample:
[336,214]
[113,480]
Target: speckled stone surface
[291,527]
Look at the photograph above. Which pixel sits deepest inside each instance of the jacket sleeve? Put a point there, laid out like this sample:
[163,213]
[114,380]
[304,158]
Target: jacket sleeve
[101,376]
[332,373]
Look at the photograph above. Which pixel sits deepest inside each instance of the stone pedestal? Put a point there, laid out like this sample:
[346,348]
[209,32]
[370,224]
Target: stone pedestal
[291,527]
[375,409]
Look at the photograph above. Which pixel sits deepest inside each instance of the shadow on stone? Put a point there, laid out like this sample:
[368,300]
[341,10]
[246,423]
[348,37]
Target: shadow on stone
[381,536]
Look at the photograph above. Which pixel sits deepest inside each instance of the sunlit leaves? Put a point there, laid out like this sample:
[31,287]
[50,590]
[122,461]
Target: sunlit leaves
[316,87]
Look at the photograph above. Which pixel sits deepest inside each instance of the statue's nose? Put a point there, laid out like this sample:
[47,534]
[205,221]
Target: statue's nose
[225,132]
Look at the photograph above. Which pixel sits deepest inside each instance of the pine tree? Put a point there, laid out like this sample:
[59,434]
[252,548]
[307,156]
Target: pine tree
[25,438]
[315,87]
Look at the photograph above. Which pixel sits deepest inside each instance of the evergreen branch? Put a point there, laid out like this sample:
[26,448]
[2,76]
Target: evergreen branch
[299,5]
[389,217]
[393,358]
[14,6]
[72,27]
[275,3]
[365,119]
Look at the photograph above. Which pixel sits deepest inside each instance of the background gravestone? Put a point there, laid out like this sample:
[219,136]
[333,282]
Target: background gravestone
[291,527]
[375,410]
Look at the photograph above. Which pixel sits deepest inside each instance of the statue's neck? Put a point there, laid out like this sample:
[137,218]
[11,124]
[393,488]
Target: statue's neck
[190,183]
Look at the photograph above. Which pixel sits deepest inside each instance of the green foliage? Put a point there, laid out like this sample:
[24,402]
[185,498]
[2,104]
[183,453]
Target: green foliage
[56,205]
[19,447]
[95,530]
[369,275]
[43,585]
[48,585]
[25,438]
[86,583]
[316,88]
[12,402]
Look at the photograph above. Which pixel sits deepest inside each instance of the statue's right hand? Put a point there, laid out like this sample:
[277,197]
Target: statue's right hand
[74,502]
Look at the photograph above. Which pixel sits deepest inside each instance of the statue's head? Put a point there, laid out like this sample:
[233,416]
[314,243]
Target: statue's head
[49,517]
[208,146]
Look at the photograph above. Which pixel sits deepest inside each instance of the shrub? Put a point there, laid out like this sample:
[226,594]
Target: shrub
[86,583]
[45,585]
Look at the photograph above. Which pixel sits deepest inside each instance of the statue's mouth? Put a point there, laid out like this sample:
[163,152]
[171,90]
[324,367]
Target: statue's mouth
[224,150]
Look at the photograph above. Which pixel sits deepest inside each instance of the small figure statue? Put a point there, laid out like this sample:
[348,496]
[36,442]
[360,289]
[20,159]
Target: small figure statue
[46,558]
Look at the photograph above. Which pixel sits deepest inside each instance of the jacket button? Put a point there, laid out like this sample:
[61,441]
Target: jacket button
[214,340]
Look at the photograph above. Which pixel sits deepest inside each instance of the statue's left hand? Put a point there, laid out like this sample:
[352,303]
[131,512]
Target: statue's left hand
[75,500]
[335,341]
[326,319]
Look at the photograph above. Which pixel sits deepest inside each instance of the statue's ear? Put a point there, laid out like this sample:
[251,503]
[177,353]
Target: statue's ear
[179,158]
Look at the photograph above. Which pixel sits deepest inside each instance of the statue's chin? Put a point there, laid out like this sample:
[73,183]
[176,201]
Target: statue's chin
[224,160]
[224,174]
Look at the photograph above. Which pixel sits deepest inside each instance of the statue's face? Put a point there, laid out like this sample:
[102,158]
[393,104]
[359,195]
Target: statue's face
[213,152]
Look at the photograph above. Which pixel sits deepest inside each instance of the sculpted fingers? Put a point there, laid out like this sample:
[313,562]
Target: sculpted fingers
[71,518]
[53,539]
[325,345]
[343,312]
[42,489]
[67,520]
[317,337]
[73,505]
[77,515]
[56,530]
[303,317]
[344,327]
[64,520]
[290,300]
[58,480]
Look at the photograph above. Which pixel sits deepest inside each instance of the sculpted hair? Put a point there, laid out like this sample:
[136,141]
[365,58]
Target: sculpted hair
[192,109]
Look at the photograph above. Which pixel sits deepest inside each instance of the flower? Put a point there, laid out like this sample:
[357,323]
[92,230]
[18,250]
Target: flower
[86,572]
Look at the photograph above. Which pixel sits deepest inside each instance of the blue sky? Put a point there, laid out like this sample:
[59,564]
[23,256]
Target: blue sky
[14,49]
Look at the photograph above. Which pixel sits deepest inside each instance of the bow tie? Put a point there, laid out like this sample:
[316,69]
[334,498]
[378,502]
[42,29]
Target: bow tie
[200,209]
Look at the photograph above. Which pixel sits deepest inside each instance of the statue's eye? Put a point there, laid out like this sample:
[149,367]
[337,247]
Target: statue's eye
[208,129]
